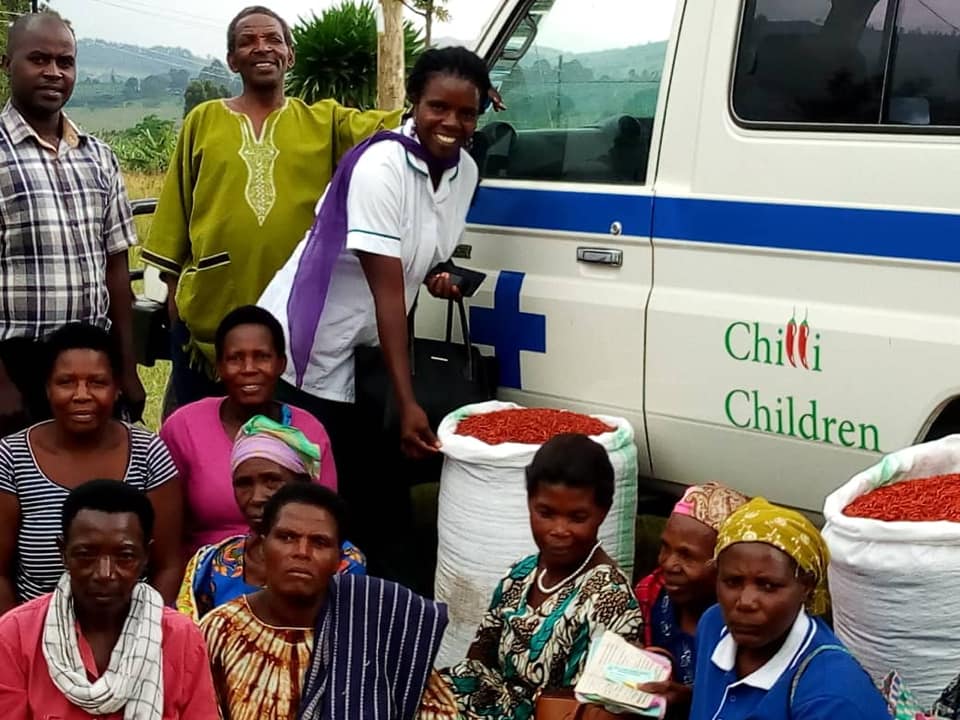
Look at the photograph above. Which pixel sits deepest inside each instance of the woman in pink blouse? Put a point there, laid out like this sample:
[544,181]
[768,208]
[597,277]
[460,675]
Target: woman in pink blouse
[250,360]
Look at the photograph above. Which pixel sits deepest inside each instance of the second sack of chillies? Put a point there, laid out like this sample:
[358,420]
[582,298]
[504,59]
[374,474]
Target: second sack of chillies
[895,582]
[483,502]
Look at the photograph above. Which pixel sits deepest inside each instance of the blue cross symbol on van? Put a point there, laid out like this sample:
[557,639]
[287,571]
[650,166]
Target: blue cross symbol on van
[507,329]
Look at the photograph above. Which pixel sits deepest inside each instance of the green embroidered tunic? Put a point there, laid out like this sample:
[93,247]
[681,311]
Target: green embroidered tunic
[234,205]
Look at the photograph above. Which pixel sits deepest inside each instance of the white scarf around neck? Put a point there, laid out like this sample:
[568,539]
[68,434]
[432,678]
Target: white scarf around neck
[133,680]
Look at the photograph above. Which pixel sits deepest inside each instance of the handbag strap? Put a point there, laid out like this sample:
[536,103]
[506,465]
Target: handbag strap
[804,664]
[411,331]
[464,330]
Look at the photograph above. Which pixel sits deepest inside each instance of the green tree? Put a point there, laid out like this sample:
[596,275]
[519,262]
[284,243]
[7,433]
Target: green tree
[337,55]
[429,10]
[154,86]
[216,72]
[8,8]
[146,147]
[179,79]
[131,88]
[199,91]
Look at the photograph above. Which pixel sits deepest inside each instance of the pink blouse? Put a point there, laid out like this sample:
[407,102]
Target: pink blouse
[201,450]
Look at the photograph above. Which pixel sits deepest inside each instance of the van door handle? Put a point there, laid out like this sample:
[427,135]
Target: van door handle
[600,256]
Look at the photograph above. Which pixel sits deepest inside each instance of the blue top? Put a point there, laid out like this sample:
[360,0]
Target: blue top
[666,633]
[832,686]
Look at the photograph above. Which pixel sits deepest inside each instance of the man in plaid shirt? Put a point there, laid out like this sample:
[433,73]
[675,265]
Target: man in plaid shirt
[65,223]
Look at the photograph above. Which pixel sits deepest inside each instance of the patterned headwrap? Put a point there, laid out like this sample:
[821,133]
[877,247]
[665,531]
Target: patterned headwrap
[788,531]
[285,445]
[710,504]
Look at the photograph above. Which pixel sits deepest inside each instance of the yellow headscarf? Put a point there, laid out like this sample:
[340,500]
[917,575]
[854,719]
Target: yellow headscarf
[789,531]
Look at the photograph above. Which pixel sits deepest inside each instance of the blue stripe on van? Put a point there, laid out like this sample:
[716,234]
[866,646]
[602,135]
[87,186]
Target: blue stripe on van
[857,231]
[567,211]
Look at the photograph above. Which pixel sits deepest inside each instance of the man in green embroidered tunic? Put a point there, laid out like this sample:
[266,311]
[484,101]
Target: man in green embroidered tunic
[241,191]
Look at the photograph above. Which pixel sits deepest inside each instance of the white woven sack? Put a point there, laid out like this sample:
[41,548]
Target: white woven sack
[896,585]
[484,525]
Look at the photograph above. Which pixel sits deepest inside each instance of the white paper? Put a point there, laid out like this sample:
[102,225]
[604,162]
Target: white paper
[611,649]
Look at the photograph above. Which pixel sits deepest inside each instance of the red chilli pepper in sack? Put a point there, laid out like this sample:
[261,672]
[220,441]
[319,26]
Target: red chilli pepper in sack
[791,336]
[802,341]
[922,500]
[529,426]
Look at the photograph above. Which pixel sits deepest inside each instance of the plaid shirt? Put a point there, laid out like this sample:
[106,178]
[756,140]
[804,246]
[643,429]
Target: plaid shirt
[63,211]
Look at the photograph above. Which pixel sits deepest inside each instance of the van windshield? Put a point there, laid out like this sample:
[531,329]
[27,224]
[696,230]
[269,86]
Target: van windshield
[580,105]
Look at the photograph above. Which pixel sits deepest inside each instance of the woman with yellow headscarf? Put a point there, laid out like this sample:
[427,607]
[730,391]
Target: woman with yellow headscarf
[762,651]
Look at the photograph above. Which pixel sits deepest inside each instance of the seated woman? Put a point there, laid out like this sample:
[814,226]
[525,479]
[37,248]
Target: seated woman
[266,457]
[675,595]
[537,631]
[39,467]
[251,358]
[762,652]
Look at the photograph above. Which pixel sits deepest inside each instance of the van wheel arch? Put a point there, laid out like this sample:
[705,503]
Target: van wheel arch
[944,421]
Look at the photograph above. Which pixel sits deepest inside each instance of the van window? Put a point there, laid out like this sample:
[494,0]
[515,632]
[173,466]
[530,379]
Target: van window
[849,62]
[811,61]
[925,77]
[580,104]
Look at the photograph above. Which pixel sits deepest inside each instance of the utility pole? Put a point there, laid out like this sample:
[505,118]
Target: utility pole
[390,55]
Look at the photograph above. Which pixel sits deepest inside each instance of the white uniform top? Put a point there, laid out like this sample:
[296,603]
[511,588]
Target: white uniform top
[393,210]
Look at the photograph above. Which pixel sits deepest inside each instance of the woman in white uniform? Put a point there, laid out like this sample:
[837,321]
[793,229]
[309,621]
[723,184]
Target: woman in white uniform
[396,208]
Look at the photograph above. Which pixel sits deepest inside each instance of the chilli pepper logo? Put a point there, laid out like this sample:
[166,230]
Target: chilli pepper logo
[797,341]
[794,345]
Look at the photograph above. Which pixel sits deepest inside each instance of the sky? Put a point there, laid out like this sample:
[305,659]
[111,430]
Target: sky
[200,25]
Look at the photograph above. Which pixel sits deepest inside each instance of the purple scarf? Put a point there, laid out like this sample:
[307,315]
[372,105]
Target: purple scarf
[328,238]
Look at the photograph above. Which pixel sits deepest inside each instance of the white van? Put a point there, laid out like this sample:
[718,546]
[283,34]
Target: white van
[734,222]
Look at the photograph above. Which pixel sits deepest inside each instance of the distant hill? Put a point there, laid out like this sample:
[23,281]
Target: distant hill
[614,63]
[99,58]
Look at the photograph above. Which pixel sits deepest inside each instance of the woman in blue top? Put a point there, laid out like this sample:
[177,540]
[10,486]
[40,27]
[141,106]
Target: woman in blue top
[762,654]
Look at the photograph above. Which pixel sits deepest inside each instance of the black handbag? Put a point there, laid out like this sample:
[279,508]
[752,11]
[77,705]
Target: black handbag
[446,375]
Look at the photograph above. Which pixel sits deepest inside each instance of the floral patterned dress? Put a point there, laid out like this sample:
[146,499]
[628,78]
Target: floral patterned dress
[215,575]
[527,649]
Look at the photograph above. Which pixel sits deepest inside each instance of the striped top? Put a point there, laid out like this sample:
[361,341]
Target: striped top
[41,499]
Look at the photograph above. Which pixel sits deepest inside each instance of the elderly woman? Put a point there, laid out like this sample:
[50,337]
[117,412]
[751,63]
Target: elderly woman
[266,456]
[763,652]
[674,597]
[39,467]
[250,356]
[536,634]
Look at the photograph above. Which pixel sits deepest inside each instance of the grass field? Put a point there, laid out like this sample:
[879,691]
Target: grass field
[125,116]
[154,378]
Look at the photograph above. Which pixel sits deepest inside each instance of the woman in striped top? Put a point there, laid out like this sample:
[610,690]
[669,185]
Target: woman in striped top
[40,465]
